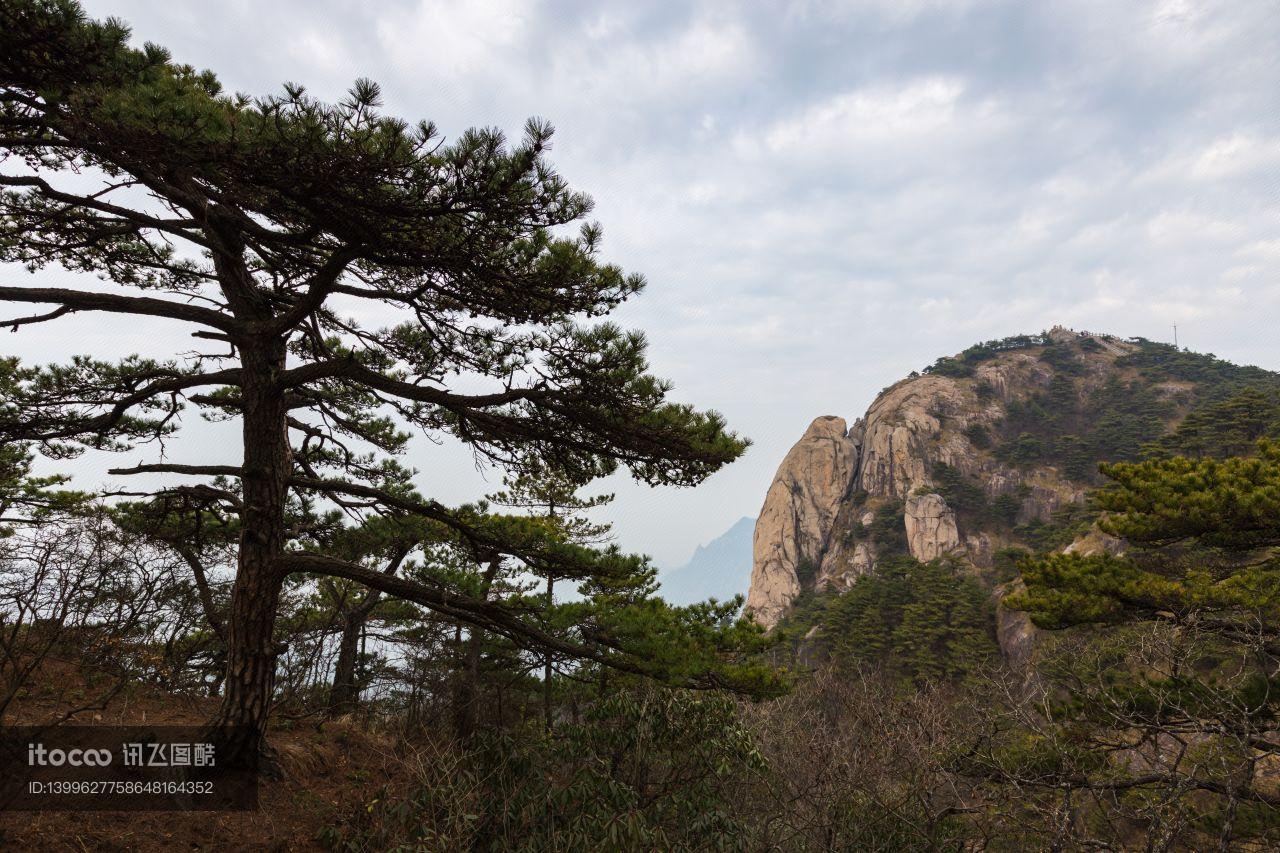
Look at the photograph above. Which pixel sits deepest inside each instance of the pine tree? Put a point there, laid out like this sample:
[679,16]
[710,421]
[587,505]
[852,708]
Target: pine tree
[25,498]
[265,224]
[916,621]
[553,498]
[1177,702]
[1229,428]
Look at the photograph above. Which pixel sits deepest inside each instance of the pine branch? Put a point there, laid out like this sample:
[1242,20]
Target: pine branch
[77,300]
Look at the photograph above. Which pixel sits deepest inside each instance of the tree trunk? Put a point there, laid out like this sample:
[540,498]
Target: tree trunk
[466,695]
[461,695]
[464,712]
[205,592]
[345,694]
[210,614]
[546,667]
[255,597]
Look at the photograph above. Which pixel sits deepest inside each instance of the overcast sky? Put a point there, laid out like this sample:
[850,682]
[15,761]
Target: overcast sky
[826,195]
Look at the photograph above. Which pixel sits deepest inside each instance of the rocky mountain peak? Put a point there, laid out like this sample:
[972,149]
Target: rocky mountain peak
[799,514]
[982,453]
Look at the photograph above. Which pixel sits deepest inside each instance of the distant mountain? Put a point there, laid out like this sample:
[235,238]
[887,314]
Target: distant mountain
[720,569]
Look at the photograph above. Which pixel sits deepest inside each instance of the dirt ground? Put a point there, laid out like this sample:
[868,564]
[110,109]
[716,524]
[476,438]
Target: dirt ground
[331,768]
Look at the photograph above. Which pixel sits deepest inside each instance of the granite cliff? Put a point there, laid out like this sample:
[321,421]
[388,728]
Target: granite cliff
[798,515]
[981,457]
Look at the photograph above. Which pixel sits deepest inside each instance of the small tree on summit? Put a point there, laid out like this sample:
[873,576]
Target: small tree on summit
[266,224]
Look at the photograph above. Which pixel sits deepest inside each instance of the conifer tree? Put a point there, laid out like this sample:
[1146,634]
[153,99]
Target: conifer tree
[1176,704]
[554,499]
[265,225]
[24,497]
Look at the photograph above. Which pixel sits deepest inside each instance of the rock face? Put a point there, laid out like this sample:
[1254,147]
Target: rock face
[898,431]
[794,539]
[1014,631]
[887,456]
[931,527]
[799,509]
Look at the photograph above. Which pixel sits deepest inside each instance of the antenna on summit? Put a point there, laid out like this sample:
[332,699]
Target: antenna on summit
[1175,335]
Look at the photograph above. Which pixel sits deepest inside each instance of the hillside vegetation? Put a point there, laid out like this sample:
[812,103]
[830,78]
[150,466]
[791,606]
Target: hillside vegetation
[1077,534]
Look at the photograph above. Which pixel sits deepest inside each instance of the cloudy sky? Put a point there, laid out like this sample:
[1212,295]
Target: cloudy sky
[826,195]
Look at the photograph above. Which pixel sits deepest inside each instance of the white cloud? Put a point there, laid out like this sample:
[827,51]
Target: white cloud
[890,11]
[1268,250]
[316,47]
[1185,229]
[896,130]
[455,39]
[1236,155]
[877,115]
[827,196]
[613,72]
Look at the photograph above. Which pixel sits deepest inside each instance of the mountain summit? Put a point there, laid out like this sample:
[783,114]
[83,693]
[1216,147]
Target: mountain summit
[988,454]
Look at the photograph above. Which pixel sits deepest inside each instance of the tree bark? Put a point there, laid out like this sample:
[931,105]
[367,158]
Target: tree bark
[345,694]
[240,724]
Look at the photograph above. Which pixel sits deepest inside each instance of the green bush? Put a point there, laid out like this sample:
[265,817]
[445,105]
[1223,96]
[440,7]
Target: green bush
[888,528]
[950,367]
[978,435]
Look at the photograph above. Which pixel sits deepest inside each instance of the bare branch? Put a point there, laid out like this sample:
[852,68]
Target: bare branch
[318,290]
[481,614]
[349,368]
[167,468]
[105,421]
[184,228]
[35,318]
[77,300]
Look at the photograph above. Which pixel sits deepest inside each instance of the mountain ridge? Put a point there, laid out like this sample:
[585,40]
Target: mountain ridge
[718,569]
